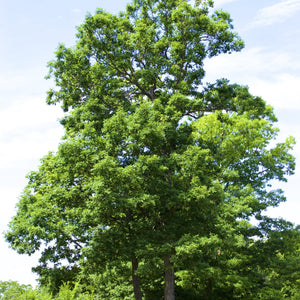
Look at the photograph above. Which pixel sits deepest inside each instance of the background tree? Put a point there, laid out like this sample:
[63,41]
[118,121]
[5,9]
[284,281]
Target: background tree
[12,290]
[156,170]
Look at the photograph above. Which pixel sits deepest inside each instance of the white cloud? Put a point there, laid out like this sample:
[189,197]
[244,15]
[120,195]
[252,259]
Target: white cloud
[26,113]
[265,78]
[220,3]
[283,92]
[21,82]
[288,210]
[8,200]
[278,12]
[29,129]
[273,75]
[27,148]
[251,62]
[17,267]
[76,10]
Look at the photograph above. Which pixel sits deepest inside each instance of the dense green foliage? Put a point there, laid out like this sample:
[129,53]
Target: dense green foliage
[158,175]
[12,290]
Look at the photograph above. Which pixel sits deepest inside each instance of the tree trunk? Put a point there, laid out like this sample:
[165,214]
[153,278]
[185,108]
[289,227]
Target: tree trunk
[136,280]
[209,289]
[169,279]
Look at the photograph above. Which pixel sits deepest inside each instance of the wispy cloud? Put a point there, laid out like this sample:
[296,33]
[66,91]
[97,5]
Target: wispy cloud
[76,10]
[277,13]
[252,62]
[17,267]
[29,129]
[220,3]
[273,75]
[282,92]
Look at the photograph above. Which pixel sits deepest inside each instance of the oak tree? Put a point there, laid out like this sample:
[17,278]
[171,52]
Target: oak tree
[156,169]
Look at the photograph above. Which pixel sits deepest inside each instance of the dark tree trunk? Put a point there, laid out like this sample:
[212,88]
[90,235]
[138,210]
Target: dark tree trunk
[169,279]
[209,289]
[136,280]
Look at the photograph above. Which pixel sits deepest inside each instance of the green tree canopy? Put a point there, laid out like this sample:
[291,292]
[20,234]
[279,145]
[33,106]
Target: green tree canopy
[158,174]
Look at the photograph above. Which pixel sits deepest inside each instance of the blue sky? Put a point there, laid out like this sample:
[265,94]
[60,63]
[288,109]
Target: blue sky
[29,34]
